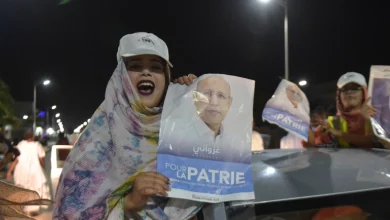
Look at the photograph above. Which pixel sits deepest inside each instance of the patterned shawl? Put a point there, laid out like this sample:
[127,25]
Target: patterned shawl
[119,142]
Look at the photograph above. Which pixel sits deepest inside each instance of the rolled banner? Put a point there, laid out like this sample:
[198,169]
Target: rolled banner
[13,197]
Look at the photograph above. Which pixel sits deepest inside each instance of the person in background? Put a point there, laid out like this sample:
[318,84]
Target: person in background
[43,140]
[62,140]
[5,147]
[5,144]
[317,117]
[257,140]
[29,170]
[9,151]
[331,111]
[348,128]
[15,194]
[15,141]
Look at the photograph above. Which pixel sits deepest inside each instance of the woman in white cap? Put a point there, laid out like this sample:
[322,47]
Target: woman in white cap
[349,128]
[110,172]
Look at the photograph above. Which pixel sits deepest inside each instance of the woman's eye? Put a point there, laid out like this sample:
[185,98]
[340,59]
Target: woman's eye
[134,67]
[157,68]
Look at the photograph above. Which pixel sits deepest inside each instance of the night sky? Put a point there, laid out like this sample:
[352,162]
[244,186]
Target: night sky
[75,44]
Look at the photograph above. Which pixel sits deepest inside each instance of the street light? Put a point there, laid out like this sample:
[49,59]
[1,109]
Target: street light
[45,83]
[302,83]
[50,131]
[25,117]
[58,115]
[284,4]
[53,107]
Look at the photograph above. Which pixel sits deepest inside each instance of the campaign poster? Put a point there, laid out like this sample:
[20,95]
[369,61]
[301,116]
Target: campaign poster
[379,91]
[205,139]
[289,109]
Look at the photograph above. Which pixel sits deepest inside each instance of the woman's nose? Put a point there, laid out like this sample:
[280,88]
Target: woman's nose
[145,72]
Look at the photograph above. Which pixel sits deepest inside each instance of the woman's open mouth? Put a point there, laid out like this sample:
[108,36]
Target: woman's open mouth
[145,87]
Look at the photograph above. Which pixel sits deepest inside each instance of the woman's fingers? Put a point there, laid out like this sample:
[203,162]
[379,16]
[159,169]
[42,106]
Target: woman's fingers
[367,101]
[180,80]
[157,176]
[149,191]
[192,77]
[152,183]
[153,188]
[156,181]
[185,80]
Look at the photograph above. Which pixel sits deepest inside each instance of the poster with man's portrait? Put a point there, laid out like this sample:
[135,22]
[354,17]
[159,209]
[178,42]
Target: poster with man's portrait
[289,109]
[379,91]
[205,139]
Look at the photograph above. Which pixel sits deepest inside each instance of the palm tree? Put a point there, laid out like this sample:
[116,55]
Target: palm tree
[7,112]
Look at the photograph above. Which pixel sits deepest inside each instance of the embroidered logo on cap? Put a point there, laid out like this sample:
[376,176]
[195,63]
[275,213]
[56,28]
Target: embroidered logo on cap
[146,40]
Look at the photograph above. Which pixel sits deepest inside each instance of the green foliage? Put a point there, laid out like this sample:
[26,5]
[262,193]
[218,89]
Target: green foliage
[7,111]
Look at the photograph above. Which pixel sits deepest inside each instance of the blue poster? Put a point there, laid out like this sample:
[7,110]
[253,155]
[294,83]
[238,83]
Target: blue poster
[379,91]
[205,139]
[289,109]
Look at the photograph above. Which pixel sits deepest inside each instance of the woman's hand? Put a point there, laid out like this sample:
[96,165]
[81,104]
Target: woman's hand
[315,123]
[146,184]
[367,110]
[327,129]
[334,132]
[187,80]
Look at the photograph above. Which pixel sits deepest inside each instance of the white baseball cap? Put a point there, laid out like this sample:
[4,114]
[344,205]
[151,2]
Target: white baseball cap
[351,77]
[142,43]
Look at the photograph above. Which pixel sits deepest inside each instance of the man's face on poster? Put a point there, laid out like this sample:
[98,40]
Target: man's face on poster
[294,95]
[212,99]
